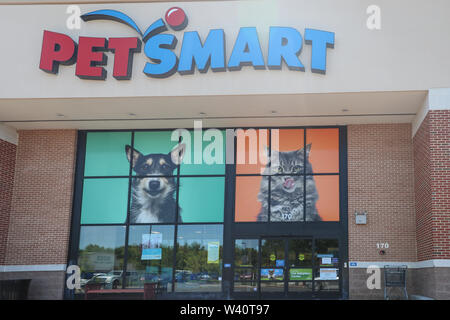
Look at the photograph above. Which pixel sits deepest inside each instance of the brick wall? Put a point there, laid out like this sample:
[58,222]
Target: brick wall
[7,163]
[381,182]
[422,171]
[432,183]
[39,223]
[440,175]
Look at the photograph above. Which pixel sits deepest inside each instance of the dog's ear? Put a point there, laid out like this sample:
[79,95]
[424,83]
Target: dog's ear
[177,153]
[132,154]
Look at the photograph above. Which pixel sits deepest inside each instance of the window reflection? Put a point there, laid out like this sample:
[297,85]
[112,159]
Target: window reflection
[246,259]
[246,252]
[326,273]
[199,258]
[150,256]
[100,256]
[272,253]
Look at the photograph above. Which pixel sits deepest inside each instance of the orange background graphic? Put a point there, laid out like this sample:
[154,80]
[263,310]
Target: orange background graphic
[324,158]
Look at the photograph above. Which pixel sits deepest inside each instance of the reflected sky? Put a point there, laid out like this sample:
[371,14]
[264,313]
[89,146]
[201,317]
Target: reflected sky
[103,236]
[188,234]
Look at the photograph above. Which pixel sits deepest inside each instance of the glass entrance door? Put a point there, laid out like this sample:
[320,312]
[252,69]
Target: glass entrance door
[300,267]
[287,268]
[273,266]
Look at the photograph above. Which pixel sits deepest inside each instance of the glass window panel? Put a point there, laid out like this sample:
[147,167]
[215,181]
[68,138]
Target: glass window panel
[299,274]
[100,256]
[322,198]
[245,274]
[326,286]
[286,198]
[148,142]
[246,253]
[150,255]
[272,274]
[251,199]
[104,201]
[202,199]
[287,154]
[272,286]
[199,258]
[105,154]
[240,286]
[324,152]
[327,265]
[153,200]
[272,253]
[290,159]
[300,253]
[327,253]
[207,160]
[251,151]
[300,286]
[153,153]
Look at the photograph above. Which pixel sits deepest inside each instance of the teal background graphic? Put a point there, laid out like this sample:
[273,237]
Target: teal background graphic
[154,142]
[105,200]
[202,199]
[105,154]
[203,169]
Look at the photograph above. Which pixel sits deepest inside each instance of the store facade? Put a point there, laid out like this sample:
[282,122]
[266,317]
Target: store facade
[267,150]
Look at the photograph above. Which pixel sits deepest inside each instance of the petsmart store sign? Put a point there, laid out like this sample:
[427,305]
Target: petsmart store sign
[285,44]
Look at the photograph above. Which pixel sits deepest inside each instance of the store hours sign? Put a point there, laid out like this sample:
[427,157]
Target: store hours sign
[285,44]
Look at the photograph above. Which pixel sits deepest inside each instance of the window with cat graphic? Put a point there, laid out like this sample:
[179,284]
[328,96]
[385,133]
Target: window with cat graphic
[297,182]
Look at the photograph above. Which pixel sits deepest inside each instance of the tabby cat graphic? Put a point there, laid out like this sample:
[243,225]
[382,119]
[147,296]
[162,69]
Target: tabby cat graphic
[286,194]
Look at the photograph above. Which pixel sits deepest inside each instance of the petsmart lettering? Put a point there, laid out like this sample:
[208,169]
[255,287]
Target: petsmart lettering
[285,44]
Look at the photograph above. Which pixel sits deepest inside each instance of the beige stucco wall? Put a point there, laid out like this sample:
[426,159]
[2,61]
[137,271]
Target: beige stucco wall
[410,43]
[87,1]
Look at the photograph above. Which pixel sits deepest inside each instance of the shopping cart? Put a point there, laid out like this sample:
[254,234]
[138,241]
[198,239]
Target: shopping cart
[395,277]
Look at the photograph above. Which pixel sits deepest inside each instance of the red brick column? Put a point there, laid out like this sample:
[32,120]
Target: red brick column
[432,186]
[39,223]
[41,208]
[7,164]
[381,182]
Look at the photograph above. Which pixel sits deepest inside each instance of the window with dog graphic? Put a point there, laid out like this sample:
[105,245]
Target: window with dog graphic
[162,187]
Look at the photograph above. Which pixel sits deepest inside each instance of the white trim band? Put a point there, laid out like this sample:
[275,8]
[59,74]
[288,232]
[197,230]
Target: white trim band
[32,268]
[435,263]
[437,99]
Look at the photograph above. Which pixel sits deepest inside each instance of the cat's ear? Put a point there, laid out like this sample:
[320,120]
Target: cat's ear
[308,150]
[265,152]
[274,157]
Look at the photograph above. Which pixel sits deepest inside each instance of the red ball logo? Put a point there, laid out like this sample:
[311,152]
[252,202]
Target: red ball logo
[176,18]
